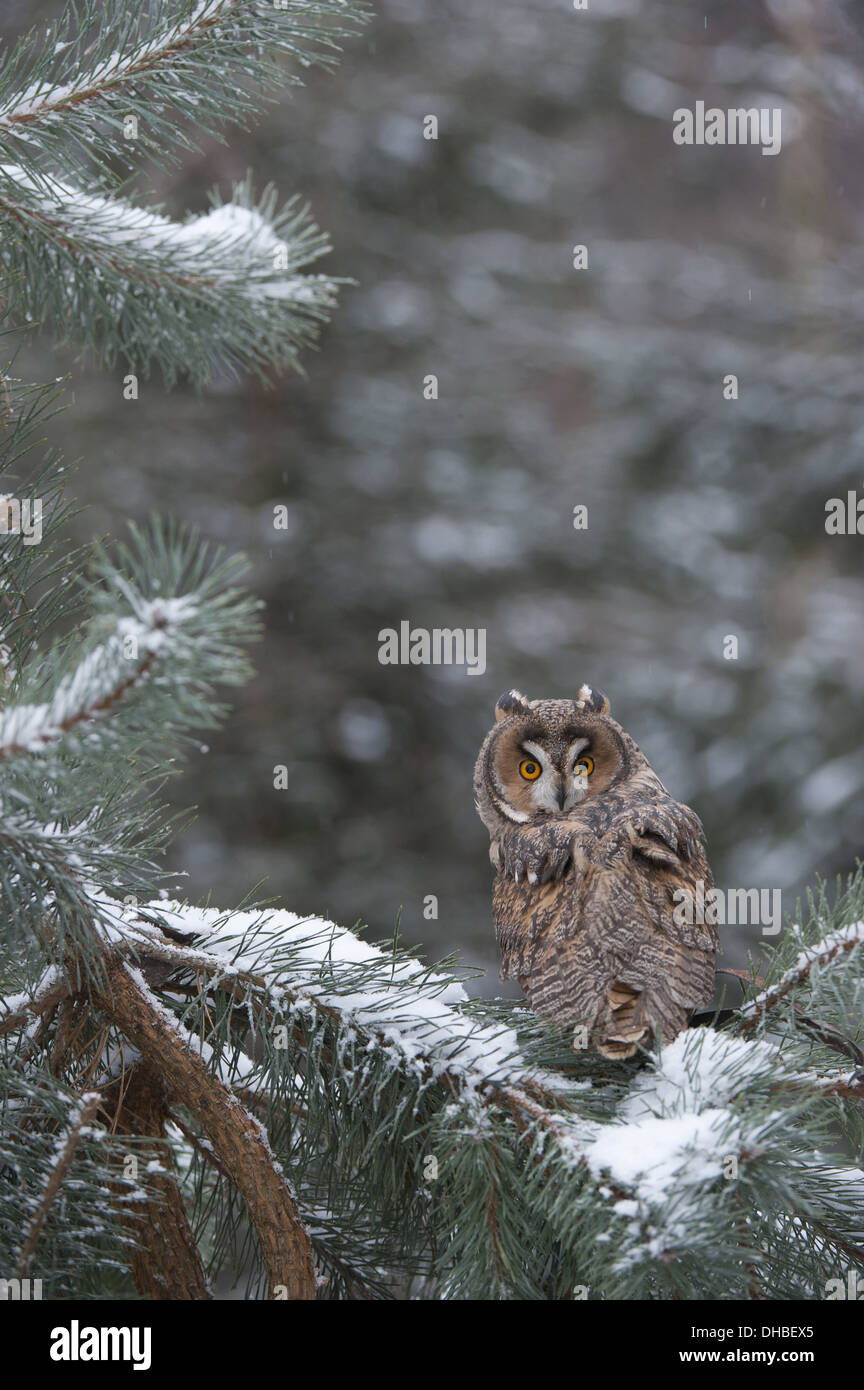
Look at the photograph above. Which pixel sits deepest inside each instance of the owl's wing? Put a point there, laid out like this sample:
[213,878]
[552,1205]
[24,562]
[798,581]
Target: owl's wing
[660,885]
[662,829]
[540,852]
[544,850]
[603,944]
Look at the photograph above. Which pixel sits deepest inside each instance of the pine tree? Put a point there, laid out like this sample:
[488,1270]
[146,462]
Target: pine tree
[187,1092]
[115,83]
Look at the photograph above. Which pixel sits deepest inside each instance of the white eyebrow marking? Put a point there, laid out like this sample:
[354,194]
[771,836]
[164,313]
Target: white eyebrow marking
[576,747]
[538,752]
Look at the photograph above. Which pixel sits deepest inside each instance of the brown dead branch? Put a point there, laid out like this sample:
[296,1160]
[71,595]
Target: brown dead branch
[238,1139]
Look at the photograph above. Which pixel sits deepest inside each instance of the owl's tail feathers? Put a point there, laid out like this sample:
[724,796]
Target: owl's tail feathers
[656,991]
[623,1024]
[618,1018]
[633,1011]
[616,1051]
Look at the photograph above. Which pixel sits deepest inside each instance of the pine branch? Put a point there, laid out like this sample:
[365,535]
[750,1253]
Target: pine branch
[95,691]
[294,962]
[180,70]
[222,289]
[34,579]
[79,1120]
[237,1137]
[125,692]
[167,1263]
[547,1173]
[165,626]
[78,1253]
[847,939]
[17,1011]
[849,1087]
[165,632]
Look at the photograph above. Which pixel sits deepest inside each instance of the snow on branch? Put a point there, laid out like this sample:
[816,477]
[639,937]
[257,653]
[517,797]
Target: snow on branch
[167,622]
[98,683]
[234,247]
[65,1147]
[17,1010]
[834,946]
[221,289]
[99,63]
[681,1108]
[302,963]
[109,85]
[684,1126]
[655,1156]
[675,1122]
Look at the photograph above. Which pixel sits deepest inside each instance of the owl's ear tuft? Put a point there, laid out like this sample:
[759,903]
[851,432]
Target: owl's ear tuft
[593,700]
[514,702]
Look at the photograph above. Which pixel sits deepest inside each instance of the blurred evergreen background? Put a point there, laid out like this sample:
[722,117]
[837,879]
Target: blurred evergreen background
[558,387]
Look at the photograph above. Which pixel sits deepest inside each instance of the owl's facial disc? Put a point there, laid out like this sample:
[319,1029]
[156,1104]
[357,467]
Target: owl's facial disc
[557,780]
[545,766]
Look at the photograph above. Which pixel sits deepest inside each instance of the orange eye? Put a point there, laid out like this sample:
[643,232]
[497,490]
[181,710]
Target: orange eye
[584,766]
[530,769]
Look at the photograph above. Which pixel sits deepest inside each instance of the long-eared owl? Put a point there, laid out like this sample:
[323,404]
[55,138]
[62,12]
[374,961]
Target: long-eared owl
[592,855]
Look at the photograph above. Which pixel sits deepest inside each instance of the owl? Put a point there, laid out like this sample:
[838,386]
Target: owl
[591,854]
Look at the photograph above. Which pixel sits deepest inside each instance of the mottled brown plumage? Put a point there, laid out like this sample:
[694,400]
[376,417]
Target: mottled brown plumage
[592,855]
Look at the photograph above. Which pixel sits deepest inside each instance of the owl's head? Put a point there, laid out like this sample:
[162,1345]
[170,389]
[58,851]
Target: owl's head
[547,756]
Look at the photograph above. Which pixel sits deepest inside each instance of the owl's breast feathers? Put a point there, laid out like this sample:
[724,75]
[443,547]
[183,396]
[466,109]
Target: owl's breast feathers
[589,925]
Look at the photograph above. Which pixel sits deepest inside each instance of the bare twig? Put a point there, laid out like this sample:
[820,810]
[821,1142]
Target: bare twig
[16,1013]
[89,1104]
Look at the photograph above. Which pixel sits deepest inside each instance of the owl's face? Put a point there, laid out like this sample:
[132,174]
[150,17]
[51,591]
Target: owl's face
[547,756]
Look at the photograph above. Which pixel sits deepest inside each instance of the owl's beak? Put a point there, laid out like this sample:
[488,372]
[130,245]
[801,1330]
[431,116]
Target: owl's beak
[561,796]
